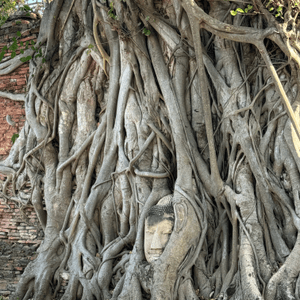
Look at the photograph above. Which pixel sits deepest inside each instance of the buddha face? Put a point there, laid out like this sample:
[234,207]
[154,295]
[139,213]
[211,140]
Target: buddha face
[157,235]
[158,228]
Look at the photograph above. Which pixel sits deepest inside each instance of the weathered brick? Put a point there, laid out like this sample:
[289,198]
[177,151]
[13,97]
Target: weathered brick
[28,38]
[13,229]
[21,82]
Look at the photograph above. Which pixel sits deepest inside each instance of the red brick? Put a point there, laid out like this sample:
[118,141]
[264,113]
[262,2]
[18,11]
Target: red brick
[28,38]
[10,219]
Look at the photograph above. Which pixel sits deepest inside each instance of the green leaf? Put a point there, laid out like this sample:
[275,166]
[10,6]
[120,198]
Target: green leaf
[279,8]
[25,59]
[32,42]
[14,137]
[246,10]
[21,44]
[22,51]
[2,55]
[44,60]
[233,13]
[18,22]
[19,33]
[27,8]
[91,46]
[13,54]
[111,14]
[272,8]
[240,10]
[249,6]
[4,48]
[147,18]
[13,47]
[146,32]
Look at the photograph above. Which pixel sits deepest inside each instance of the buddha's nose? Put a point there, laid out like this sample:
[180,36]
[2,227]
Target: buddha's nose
[156,242]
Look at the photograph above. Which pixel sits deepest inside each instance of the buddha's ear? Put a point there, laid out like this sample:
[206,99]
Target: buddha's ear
[180,209]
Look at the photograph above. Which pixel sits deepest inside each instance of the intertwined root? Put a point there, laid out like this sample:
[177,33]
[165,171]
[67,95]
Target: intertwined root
[134,104]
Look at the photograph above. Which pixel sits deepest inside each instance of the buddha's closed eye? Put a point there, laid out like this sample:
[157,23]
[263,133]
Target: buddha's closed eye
[167,232]
[150,231]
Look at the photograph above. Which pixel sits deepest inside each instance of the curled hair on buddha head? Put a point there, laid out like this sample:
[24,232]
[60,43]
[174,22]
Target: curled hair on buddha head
[160,212]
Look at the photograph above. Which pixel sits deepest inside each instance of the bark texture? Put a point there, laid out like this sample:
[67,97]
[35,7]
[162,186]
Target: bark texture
[138,100]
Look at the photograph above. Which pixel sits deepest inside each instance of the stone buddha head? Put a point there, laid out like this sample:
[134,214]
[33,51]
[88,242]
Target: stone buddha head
[158,228]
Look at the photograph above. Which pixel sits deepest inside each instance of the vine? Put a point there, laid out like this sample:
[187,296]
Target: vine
[109,134]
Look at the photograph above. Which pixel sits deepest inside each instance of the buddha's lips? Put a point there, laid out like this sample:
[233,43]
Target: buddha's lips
[155,253]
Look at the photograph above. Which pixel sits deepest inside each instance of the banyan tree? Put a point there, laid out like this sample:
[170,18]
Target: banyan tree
[162,147]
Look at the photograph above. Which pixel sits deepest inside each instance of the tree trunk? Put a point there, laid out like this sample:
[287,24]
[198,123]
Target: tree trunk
[138,100]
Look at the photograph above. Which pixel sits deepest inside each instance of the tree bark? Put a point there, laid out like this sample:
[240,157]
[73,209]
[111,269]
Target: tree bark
[138,100]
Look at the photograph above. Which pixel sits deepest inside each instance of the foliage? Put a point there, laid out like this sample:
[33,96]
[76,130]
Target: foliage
[90,47]
[15,46]
[276,7]
[111,11]
[146,32]
[14,137]
[6,9]
[241,11]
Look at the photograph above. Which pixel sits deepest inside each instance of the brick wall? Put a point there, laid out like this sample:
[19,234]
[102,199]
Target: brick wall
[17,113]
[14,82]
[20,233]
[19,226]
[13,259]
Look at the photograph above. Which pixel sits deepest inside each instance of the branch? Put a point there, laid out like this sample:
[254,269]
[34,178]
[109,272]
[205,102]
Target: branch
[206,101]
[11,96]
[171,37]
[251,38]
[279,88]
[10,121]
[12,64]
[97,19]
[7,170]
[65,21]
[224,30]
